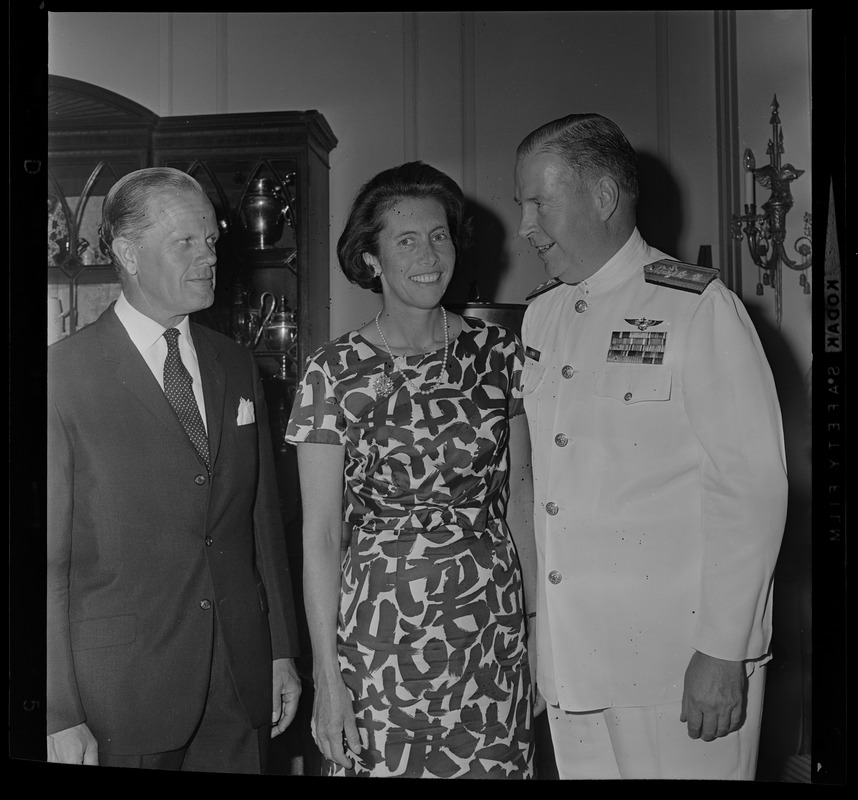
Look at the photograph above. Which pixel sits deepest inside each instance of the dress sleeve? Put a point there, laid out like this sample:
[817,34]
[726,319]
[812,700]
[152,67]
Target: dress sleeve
[516,362]
[317,416]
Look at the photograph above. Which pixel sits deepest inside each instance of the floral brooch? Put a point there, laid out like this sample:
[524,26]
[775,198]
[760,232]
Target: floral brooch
[382,384]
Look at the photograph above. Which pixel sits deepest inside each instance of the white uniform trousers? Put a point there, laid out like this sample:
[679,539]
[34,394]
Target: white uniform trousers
[650,742]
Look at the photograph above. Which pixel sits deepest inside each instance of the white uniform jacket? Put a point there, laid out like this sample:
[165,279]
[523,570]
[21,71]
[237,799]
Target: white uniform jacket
[660,483]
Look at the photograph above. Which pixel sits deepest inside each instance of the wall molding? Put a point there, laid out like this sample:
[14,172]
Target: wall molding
[727,142]
[463,25]
[469,107]
[662,72]
[409,85]
[663,105]
[221,64]
[165,64]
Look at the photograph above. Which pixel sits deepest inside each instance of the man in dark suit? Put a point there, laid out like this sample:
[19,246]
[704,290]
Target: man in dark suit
[171,629]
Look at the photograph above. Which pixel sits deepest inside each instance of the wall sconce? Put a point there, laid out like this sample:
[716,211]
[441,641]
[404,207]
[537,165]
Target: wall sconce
[766,232]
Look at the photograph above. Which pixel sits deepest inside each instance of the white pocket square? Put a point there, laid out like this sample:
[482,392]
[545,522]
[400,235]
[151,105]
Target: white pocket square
[246,414]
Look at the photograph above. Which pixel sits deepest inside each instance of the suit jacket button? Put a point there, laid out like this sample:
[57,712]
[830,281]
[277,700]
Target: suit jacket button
[209,541]
[199,480]
[205,605]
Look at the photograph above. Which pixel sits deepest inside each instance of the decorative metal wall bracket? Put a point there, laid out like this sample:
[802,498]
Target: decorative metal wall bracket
[766,232]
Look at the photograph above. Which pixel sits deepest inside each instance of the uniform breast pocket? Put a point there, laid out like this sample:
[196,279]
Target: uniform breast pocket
[532,374]
[630,383]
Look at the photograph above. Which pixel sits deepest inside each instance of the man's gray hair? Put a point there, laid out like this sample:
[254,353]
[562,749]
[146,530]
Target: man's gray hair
[125,211]
[591,146]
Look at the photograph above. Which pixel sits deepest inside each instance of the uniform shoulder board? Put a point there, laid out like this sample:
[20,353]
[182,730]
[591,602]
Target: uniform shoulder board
[679,275]
[547,286]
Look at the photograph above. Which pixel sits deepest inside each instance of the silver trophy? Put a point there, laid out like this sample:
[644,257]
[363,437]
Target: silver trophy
[280,332]
[263,210]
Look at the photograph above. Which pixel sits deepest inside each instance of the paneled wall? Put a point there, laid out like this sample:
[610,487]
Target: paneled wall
[456,89]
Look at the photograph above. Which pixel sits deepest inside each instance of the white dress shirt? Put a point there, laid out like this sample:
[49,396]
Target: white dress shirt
[148,338]
[660,483]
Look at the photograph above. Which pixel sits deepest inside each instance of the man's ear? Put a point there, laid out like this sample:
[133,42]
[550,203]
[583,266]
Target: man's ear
[606,193]
[126,253]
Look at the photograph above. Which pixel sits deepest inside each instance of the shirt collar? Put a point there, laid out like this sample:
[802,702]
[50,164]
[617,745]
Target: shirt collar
[143,330]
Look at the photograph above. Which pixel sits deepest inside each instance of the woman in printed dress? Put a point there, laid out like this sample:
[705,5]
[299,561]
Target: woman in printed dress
[411,437]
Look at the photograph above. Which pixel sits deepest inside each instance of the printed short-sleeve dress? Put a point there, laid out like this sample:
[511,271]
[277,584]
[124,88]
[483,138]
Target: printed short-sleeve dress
[431,634]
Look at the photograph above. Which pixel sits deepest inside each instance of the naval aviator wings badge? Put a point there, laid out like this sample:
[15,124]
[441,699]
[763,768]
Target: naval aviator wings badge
[643,323]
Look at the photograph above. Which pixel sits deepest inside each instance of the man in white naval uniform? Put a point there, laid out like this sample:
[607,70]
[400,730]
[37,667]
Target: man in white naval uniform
[660,479]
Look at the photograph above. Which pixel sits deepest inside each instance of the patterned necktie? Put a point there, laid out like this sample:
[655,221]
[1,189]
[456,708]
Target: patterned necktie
[177,387]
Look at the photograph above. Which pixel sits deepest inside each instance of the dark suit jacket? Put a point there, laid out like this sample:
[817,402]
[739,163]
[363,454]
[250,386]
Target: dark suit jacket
[144,547]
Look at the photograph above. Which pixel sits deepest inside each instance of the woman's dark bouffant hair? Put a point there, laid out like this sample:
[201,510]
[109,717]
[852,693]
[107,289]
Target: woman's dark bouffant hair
[412,180]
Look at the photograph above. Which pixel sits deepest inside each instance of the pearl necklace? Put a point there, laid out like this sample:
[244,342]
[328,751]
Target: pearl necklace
[383,384]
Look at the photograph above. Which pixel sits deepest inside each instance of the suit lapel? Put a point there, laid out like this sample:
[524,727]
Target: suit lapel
[133,374]
[213,376]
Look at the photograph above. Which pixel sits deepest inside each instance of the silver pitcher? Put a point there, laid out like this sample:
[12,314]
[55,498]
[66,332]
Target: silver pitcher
[246,322]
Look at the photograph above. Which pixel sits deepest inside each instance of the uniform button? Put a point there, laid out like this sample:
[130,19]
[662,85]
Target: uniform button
[581,306]
[551,508]
[199,480]
[561,440]
[209,541]
[627,396]
[205,605]
[567,371]
[554,576]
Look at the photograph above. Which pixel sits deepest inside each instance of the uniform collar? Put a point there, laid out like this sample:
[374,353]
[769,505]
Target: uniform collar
[619,268]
